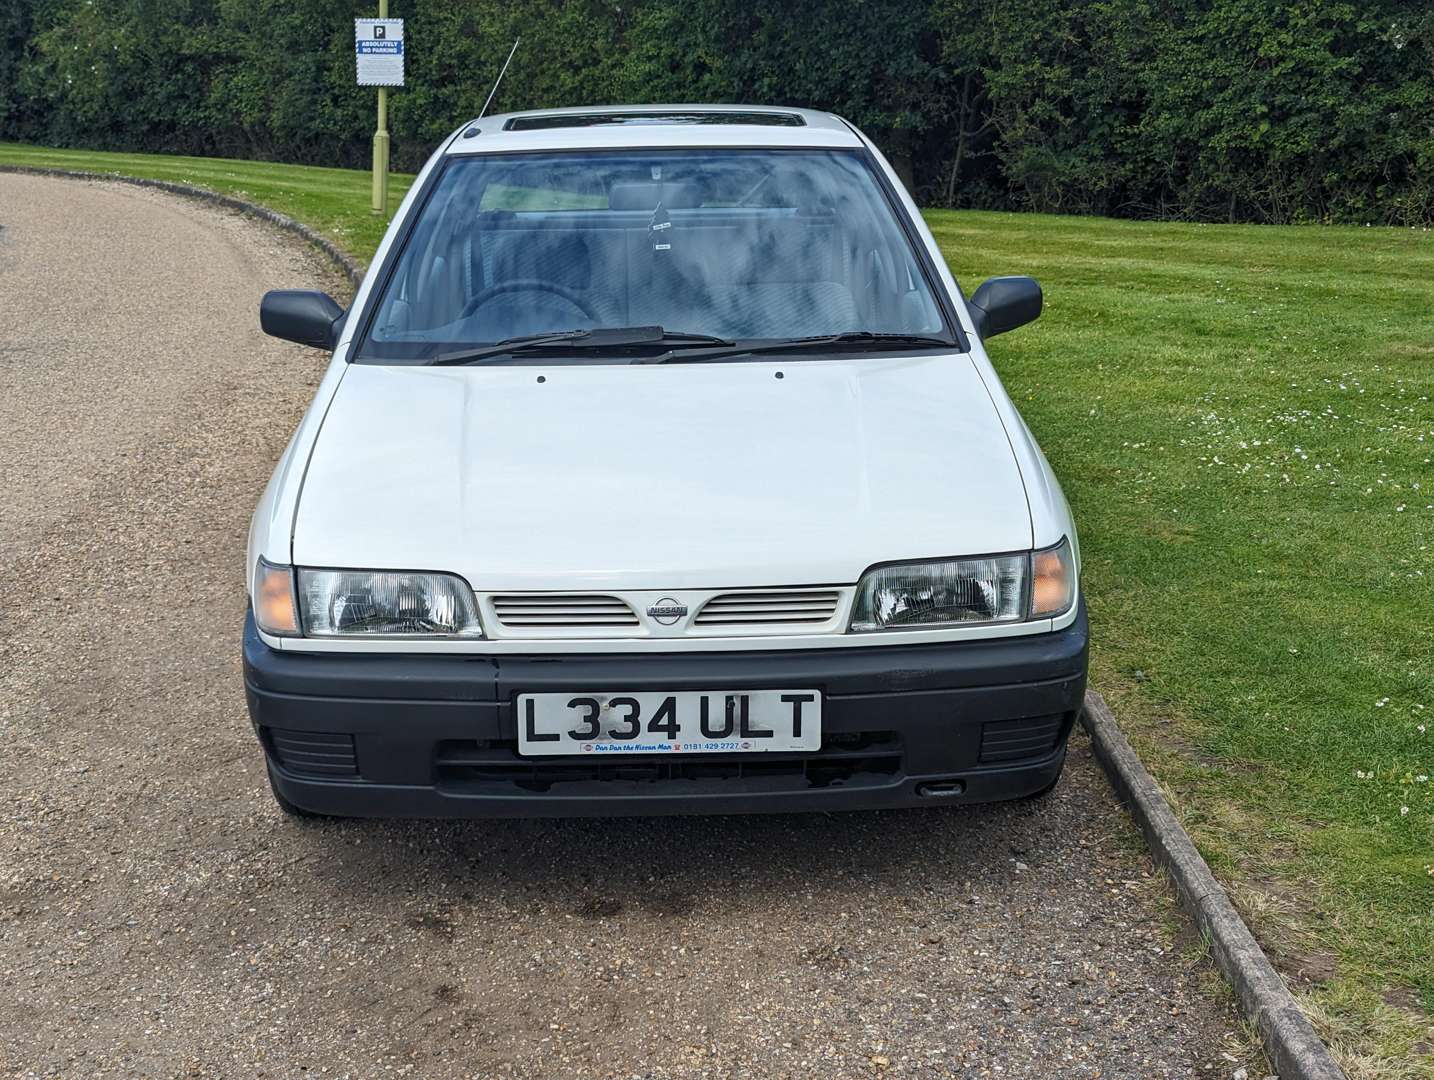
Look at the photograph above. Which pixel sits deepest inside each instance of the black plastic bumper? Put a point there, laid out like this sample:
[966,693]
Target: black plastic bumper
[436,735]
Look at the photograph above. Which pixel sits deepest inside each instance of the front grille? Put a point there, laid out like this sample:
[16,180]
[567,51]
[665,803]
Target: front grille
[538,611]
[493,766]
[762,608]
[1028,737]
[313,753]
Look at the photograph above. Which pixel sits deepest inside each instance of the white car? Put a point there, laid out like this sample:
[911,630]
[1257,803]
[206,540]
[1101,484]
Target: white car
[660,468]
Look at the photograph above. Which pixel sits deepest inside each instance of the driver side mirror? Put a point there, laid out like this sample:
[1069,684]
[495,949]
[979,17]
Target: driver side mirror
[1004,303]
[302,315]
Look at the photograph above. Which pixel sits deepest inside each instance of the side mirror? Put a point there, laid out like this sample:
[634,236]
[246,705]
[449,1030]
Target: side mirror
[1004,303]
[302,315]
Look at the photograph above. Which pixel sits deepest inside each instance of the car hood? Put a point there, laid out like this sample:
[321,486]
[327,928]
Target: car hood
[674,476]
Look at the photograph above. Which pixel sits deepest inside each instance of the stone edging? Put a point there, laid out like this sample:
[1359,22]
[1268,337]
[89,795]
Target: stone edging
[341,259]
[1294,1049]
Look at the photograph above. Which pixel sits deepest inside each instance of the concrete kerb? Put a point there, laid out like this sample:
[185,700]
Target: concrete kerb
[1293,1047]
[341,259]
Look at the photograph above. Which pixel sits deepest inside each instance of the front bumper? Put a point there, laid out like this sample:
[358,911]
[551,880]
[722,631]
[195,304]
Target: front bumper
[436,736]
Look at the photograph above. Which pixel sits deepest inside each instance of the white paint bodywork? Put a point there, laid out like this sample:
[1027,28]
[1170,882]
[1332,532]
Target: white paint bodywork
[660,481]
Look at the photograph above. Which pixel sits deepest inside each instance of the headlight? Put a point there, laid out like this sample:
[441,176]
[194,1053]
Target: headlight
[994,589]
[380,603]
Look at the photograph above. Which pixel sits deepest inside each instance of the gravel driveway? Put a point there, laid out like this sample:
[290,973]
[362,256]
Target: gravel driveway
[158,916]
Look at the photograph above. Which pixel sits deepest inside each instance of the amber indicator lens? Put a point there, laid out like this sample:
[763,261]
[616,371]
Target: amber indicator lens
[1052,581]
[274,607]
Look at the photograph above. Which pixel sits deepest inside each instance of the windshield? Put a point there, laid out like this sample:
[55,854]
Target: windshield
[733,244]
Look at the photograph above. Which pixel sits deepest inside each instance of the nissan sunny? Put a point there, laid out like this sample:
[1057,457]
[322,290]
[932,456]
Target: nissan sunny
[659,467]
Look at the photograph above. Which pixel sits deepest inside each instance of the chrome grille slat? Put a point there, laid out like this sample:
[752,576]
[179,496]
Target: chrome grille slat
[726,598]
[564,613]
[559,602]
[780,605]
[712,620]
[746,599]
[768,609]
[566,620]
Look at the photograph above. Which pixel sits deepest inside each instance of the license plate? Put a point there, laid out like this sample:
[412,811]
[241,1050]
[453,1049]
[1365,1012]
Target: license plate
[691,722]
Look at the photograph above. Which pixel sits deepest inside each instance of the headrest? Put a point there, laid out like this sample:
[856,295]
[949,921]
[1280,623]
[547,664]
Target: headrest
[677,195]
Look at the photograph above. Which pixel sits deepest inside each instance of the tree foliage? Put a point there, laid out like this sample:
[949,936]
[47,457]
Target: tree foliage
[1213,109]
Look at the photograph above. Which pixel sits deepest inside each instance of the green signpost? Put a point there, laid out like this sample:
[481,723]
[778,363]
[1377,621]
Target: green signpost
[378,44]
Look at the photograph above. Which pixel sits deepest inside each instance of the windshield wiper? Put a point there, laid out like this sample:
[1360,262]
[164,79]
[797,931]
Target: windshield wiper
[600,338]
[819,341]
[506,346]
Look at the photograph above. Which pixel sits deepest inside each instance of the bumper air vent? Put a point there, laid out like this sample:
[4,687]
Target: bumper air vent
[313,753]
[1015,740]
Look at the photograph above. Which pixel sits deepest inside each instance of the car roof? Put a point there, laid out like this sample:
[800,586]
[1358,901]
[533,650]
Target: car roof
[616,126]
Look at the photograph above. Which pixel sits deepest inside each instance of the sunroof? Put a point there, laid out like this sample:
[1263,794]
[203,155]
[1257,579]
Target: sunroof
[600,119]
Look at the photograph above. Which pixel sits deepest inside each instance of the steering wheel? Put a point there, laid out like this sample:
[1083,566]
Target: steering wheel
[527,285]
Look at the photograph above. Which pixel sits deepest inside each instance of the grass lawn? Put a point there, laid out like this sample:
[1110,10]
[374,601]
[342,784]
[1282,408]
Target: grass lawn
[334,201]
[1241,417]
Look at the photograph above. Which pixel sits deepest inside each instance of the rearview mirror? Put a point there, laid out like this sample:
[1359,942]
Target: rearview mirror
[306,316]
[1004,303]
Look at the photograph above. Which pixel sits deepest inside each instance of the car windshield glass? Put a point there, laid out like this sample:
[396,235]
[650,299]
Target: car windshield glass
[738,244]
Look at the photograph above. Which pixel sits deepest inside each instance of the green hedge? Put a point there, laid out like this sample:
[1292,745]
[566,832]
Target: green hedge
[1209,109]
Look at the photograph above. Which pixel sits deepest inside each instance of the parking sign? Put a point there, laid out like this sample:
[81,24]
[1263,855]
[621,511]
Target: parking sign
[378,44]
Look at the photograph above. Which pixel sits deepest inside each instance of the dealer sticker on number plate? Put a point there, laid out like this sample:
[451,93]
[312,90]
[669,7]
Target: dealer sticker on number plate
[691,722]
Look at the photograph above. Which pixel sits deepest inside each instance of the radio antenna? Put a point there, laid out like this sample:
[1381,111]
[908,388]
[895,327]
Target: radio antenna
[499,79]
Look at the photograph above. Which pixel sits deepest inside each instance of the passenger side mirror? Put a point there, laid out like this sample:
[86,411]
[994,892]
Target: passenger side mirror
[1004,303]
[306,316]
